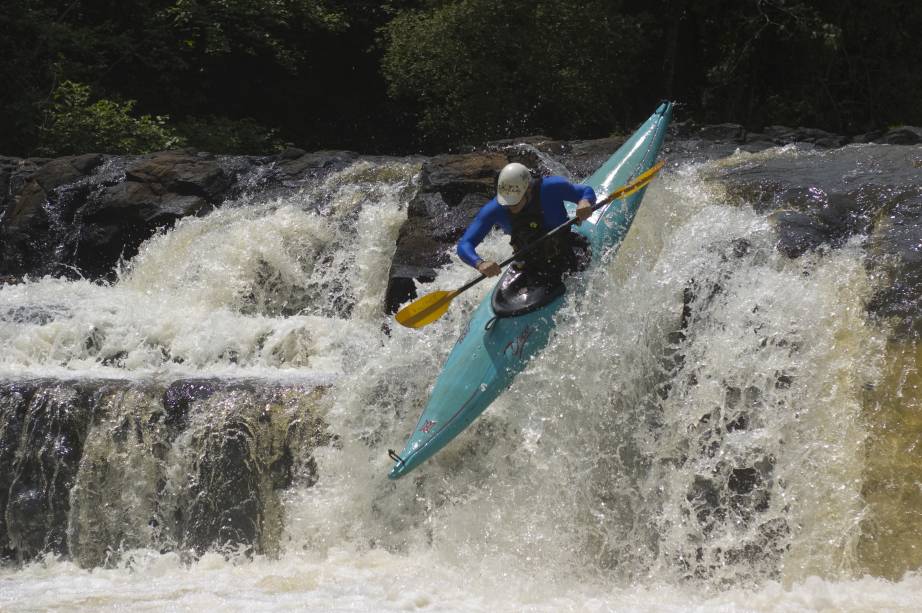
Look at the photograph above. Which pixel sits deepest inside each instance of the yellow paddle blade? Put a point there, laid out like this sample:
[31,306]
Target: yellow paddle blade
[431,307]
[425,310]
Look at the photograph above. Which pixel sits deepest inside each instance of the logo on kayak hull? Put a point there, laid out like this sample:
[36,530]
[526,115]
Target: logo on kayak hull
[517,345]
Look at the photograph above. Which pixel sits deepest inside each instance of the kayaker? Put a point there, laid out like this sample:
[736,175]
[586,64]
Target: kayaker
[526,209]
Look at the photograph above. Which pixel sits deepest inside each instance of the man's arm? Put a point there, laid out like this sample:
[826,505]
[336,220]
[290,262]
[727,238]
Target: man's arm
[474,235]
[562,190]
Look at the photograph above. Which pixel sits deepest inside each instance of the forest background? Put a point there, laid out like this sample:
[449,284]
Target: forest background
[404,76]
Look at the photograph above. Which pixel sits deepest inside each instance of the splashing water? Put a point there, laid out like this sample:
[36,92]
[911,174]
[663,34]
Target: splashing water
[255,288]
[692,439]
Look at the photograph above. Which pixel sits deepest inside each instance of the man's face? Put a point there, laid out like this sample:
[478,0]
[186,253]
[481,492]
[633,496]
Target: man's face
[521,204]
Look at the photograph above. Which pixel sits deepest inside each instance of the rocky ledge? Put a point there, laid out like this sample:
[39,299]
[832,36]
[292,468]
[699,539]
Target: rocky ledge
[91,467]
[79,215]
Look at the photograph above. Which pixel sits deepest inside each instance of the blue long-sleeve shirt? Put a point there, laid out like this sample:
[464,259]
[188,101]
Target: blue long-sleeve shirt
[554,192]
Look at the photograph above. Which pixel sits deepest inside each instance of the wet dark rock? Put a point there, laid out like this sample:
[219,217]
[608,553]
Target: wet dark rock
[585,156]
[27,222]
[877,195]
[295,167]
[236,443]
[896,252]
[175,173]
[14,172]
[867,137]
[834,219]
[78,215]
[157,191]
[27,508]
[822,200]
[243,453]
[222,504]
[575,160]
[784,135]
[733,132]
[452,188]
[780,134]
[683,129]
[402,285]
[179,396]
[84,212]
[820,138]
[453,177]
[51,420]
[693,142]
[526,146]
[290,153]
[13,401]
[902,135]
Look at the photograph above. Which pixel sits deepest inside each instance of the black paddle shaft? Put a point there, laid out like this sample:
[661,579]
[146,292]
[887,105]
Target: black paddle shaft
[531,247]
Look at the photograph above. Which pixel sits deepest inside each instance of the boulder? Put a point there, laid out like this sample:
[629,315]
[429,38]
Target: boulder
[452,188]
[825,219]
[91,467]
[180,173]
[115,219]
[733,132]
[78,215]
[780,134]
[895,249]
[295,167]
[820,138]
[821,201]
[902,135]
[44,426]
[27,222]
[585,156]
[784,135]
[13,174]
[867,137]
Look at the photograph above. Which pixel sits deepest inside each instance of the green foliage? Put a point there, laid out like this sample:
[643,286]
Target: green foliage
[230,136]
[75,125]
[401,75]
[257,28]
[481,69]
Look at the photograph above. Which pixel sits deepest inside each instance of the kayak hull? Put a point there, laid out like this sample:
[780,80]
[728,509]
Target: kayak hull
[492,350]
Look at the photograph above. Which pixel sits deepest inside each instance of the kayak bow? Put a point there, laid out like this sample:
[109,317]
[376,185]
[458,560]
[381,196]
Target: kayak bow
[492,350]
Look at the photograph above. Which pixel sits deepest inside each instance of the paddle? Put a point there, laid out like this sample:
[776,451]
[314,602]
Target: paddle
[423,311]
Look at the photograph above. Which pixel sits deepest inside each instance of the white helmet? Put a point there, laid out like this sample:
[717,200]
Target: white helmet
[513,181]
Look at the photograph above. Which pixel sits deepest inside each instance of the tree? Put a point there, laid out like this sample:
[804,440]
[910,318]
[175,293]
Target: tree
[76,125]
[482,69]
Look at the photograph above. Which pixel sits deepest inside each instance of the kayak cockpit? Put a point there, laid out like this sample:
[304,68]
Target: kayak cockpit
[514,295]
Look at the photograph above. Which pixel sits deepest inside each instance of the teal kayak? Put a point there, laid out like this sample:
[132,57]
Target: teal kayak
[493,349]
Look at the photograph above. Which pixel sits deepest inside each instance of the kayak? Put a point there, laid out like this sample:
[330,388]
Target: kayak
[512,324]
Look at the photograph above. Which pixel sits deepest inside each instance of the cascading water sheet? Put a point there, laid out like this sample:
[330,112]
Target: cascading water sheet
[692,438]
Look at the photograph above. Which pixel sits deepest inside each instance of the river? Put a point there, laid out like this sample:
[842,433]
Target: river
[708,429]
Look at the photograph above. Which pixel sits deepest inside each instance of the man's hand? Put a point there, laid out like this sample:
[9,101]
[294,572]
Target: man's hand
[583,210]
[488,268]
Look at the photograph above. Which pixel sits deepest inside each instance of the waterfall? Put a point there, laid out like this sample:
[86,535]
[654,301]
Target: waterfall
[713,424]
